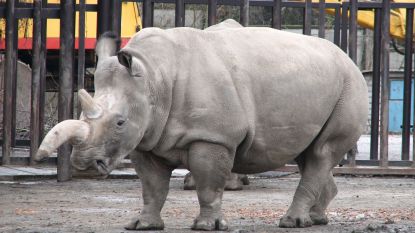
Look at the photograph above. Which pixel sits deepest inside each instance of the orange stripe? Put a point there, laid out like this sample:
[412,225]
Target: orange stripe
[53,43]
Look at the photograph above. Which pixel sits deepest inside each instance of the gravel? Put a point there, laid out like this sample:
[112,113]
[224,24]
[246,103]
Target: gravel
[364,204]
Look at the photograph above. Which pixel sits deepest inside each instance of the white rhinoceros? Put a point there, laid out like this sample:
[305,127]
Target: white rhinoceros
[245,100]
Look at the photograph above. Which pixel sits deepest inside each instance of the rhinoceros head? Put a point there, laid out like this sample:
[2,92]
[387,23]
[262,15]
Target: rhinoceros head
[112,122]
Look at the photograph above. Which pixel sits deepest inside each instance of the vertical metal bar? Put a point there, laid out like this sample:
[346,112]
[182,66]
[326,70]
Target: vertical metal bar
[244,13]
[406,129]
[353,55]
[307,18]
[152,13]
[337,18]
[115,22]
[374,120]
[9,75]
[384,108]
[81,52]
[179,15]
[345,23]
[276,14]
[104,16]
[147,13]
[36,83]
[14,82]
[65,105]
[43,54]
[212,8]
[353,31]
[321,19]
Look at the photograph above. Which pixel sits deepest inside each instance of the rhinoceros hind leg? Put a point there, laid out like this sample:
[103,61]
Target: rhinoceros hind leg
[143,224]
[318,211]
[341,132]
[210,165]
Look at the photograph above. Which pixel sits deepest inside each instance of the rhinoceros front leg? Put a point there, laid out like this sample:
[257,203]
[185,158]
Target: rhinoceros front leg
[155,177]
[210,165]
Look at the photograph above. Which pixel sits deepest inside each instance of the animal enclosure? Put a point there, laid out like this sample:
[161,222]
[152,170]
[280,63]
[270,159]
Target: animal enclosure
[72,71]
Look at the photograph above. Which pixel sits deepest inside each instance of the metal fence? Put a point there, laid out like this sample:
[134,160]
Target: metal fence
[345,36]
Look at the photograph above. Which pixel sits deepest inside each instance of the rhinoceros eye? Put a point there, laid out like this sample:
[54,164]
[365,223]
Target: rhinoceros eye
[120,122]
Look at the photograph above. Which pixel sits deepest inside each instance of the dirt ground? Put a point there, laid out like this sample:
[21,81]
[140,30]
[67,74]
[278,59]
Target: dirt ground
[362,205]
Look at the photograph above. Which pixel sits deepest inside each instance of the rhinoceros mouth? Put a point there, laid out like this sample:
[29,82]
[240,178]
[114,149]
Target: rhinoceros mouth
[101,166]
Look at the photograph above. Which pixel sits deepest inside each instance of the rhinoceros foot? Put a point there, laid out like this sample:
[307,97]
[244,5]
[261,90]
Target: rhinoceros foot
[244,179]
[319,219]
[210,224]
[295,221]
[233,185]
[144,224]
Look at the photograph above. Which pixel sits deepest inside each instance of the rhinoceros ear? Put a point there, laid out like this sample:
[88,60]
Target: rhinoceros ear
[130,62]
[125,59]
[108,45]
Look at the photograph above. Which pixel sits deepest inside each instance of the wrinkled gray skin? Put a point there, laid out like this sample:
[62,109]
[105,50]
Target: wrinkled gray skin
[233,183]
[244,100]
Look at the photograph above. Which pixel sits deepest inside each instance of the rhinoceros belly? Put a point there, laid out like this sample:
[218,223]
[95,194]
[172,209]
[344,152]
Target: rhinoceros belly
[274,146]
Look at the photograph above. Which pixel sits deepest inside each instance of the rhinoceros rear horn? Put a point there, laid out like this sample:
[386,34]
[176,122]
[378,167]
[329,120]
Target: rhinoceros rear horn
[72,131]
[90,108]
[108,45]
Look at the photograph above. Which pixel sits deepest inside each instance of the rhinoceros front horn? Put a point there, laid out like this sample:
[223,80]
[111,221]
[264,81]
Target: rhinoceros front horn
[72,131]
[90,109]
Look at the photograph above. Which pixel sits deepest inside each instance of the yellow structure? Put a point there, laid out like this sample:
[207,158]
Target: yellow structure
[366,18]
[130,21]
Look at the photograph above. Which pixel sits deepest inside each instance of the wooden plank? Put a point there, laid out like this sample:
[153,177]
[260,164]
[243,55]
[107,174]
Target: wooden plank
[361,170]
